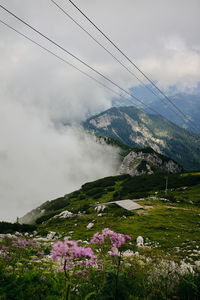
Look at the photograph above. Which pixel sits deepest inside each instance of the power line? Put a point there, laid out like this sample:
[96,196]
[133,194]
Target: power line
[151,82]
[60,58]
[113,56]
[96,41]
[80,60]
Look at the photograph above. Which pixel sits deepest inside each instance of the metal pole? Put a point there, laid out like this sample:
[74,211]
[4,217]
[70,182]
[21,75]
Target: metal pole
[166,186]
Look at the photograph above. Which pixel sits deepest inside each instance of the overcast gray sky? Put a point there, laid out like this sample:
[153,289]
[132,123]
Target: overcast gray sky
[38,161]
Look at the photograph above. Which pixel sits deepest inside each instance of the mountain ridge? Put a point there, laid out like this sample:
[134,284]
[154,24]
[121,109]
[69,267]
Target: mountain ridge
[187,101]
[135,161]
[135,128]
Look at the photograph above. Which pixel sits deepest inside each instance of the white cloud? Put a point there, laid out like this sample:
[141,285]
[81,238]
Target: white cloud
[39,162]
[178,65]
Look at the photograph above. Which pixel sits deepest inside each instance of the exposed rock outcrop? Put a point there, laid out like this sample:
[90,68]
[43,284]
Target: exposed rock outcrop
[137,163]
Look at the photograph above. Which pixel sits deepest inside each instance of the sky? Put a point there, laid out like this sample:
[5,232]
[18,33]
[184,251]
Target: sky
[39,158]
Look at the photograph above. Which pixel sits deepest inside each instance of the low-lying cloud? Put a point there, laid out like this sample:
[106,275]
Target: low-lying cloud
[39,162]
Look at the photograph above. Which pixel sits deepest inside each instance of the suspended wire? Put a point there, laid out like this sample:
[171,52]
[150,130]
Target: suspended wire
[81,61]
[150,81]
[60,58]
[96,41]
[113,56]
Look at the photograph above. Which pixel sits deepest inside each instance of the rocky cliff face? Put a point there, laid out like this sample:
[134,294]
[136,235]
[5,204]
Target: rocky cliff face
[135,161]
[140,163]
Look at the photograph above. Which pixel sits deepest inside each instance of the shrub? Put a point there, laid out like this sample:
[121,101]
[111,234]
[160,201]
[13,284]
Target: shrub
[46,217]
[6,227]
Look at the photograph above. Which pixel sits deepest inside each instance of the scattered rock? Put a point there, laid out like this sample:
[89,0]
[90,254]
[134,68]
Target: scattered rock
[64,214]
[99,208]
[90,225]
[51,235]
[140,241]
[137,163]
[197,263]
[128,253]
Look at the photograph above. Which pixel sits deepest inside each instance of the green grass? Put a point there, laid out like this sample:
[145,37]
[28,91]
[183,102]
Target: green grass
[165,225]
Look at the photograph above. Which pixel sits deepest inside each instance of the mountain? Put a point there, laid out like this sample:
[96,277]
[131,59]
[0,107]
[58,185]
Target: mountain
[138,163]
[135,128]
[190,106]
[135,161]
[187,102]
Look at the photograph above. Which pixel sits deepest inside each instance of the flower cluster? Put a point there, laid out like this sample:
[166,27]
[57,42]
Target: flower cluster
[15,248]
[115,239]
[19,243]
[15,242]
[4,253]
[4,248]
[72,254]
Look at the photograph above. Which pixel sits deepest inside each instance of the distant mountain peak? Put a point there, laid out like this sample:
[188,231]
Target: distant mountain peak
[135,128]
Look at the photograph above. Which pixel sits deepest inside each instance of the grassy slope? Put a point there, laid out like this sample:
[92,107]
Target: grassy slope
[166,224]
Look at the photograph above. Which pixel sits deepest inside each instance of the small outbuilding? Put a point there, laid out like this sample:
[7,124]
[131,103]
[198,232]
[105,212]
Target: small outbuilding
[126,204]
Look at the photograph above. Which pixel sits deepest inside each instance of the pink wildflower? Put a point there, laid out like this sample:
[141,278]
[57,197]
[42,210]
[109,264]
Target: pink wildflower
[34,244]
[73,254]
[79,273]
[40,253]
[4,248]
[18,243]
[43,278]
[127,237]
[116,239]
[8,258]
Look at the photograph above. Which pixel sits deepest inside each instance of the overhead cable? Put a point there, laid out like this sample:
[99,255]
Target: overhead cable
[100,44]
[113,56]
[142,72]
[78,59]
[60,58]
